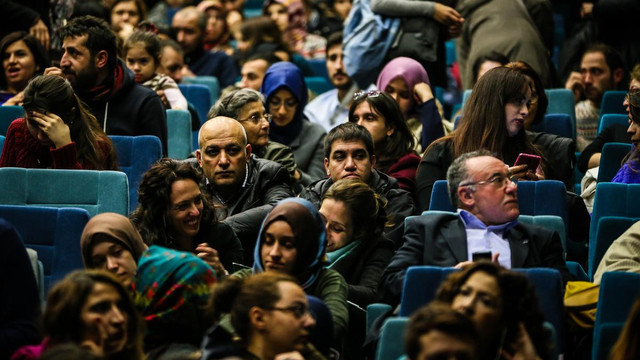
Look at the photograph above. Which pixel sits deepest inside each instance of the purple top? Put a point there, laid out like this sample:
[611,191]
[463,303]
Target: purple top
[628,174]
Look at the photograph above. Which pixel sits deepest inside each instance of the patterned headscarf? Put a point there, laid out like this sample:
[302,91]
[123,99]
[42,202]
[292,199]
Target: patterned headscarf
[310,238]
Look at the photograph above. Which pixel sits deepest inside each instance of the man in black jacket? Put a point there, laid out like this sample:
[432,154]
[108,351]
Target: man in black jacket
[348,153]
[104,83]
[246,186]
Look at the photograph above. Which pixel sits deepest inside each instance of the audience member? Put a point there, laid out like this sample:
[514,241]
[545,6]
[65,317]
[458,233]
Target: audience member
[217,33]
[111,242]
[407,82]
[189,25]
[349,153]
[393,142]
[356,245]
[436,331]
[17,16]
[626,348]
[622,255]
[91,309]
[254,68]
[246,186]
[171,289]
[486,197]
[286,93]
[293,240]
[590,156]
[20,303]
[487,62]
[247,107]
[57,131]
[259,35]
[269,314]
[172,60]
[142,55]
[504,26]
[628,173]
[103,82]
[22,58]
[332,107]
[493,119]
[291,18]
[174,213]
[504,309]
[125,15]
[601,69]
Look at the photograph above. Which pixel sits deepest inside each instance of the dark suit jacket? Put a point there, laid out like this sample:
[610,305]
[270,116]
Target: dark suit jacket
[441,240]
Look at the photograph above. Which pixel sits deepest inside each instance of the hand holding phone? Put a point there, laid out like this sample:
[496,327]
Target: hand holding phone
[532,161]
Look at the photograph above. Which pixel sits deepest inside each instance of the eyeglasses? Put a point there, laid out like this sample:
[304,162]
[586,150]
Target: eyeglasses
[498,181]
[371,93]
[298,310]
[256,119]
[289,104]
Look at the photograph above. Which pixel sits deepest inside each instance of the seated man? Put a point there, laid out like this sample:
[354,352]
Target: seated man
[436,331]
[622,255]
[247,107]
[254,68]
[487,223]
[348,153]
[246,186]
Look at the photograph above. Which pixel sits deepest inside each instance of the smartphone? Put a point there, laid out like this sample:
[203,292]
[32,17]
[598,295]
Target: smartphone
[532,161]
[481,255]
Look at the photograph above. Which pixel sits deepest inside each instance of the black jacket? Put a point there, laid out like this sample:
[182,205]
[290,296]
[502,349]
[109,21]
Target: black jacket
[267,183]
[399,202]
[131,110]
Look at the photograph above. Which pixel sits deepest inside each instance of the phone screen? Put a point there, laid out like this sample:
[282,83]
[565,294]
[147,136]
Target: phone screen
[481,255]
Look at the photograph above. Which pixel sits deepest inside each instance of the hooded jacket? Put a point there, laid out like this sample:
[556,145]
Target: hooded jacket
[306,139]
[130,109]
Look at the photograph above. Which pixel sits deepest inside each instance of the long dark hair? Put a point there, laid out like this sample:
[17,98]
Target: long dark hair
[55,94]
[398,144]
[39,53]
[483,121]
[62,318]
[154,197]
[543,101]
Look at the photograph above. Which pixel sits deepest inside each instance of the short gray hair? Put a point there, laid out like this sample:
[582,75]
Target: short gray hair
[232,103]
[457,173]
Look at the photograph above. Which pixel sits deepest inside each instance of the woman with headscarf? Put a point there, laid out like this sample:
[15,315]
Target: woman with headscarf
[110,242]
[171,290]
[408,83]
[291,18]
[286,93]
[293,240]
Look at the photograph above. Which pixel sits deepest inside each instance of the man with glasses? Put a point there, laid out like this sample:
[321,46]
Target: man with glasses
[486,227]
[245,186]
[247,107]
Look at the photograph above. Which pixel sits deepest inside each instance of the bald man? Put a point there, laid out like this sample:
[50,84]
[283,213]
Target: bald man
[248,187]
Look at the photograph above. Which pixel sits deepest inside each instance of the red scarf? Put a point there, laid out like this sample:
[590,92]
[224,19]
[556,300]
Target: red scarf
[108,87]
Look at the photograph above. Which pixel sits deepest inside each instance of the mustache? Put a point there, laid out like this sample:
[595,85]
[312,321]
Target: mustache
[340,72]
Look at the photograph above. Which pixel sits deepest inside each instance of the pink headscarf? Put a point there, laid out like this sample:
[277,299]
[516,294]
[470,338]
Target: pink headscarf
[408,69]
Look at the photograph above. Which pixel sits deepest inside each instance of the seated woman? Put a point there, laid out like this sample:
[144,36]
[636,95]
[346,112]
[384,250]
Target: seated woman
[291,18]
[356,245]
[57,132]
[393,141]
[269,314]
[217,33]
[259,35]
[142,56]
[293,241]
[286,93]
[629,173]
[22,59]
[171,290]
[110,242]
[493,119]
[125,15]
[408,83]
[503,306]
[92,309]
[174,213]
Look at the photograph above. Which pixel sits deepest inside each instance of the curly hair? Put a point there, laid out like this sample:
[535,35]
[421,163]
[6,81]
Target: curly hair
[154,197]
[54,94]
[62,318]
[519,301]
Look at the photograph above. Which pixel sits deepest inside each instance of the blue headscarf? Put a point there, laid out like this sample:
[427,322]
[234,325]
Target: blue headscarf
[286,75]
[310,238]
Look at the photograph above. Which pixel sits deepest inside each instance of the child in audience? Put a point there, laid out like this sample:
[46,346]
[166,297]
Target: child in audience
[57,132]
[142,56]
